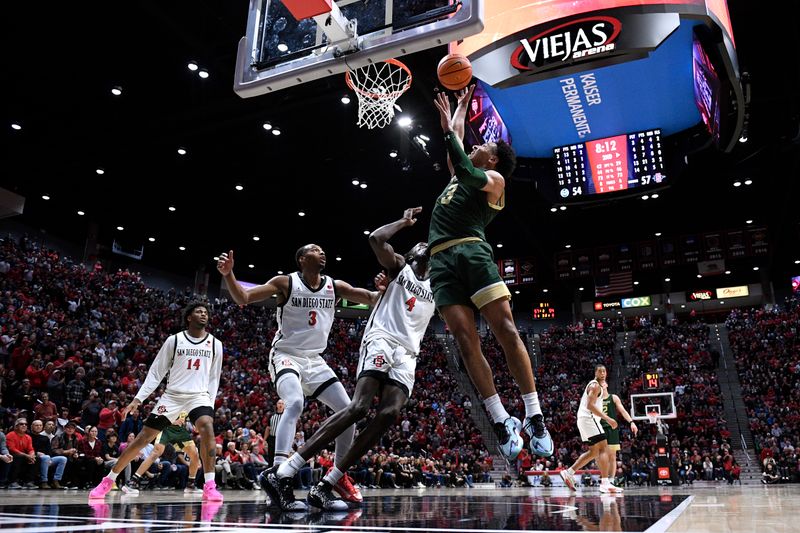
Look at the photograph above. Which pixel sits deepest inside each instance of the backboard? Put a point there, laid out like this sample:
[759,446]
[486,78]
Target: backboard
[279,51]
[661,402]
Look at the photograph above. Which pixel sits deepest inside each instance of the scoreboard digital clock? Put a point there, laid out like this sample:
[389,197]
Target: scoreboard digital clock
[609,165]
[544,311]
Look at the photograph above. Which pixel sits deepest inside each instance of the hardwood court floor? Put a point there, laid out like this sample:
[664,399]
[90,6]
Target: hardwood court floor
[712,509]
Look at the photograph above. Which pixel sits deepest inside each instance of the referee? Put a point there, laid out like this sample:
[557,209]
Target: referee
[271,429]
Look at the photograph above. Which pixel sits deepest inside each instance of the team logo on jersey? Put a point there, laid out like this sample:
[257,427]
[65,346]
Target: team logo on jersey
[378,361]
[162,409]
[286,362]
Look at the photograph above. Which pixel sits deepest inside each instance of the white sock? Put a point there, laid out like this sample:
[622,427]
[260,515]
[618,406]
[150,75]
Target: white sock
[532,406]
[570,471]
[333,476]
[289,468]
[604,481]
[278,460]
[208,476]
[112,476]
[496,409]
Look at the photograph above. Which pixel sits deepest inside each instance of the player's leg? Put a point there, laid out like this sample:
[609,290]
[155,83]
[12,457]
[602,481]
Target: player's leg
[460,320]
[144,438]
[194,465]
[203,420]
[158,449]
[497,313]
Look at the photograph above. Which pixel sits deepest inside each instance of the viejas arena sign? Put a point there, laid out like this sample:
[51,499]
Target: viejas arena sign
[569,41]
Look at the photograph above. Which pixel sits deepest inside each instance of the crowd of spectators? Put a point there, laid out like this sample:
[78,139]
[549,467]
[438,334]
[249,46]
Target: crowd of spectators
[765,345]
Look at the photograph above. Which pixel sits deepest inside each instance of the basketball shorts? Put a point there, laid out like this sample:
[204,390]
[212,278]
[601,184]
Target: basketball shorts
[590,430]
[612,436]
[313,371]
[466,274]
[171,405]
[389,361]
[176,435]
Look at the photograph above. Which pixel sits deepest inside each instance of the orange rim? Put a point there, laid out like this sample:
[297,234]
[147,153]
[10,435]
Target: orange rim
[377,96]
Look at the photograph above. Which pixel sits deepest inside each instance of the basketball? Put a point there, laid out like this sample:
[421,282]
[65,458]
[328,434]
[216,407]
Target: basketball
[454,71]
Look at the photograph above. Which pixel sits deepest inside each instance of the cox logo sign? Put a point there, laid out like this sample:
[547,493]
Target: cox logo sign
[641,301]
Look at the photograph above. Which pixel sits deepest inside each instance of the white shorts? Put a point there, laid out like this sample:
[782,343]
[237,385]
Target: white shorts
[314,373]
[386,359]
[171,405]
[591,431]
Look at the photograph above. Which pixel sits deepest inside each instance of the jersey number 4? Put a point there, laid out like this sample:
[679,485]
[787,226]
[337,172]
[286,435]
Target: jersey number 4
[190,364]
[411,302]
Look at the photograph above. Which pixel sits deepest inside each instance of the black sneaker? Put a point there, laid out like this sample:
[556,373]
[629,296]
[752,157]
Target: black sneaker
[321,496]
[280,490]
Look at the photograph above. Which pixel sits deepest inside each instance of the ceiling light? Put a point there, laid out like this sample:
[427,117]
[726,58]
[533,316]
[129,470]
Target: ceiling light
[755,268]
[553,209]
[635,282]
[338,258]
[120,228]
[283,47]
[100,171]
[301,213]
[424,137]
[683,306]
[580,288]
[721,302]
[81,213]
[748,182]
[356,182]
[655,309]
[404,121]
[545,290]
[499,244]
[727,272]
[276,131]
[363,185]
[203,73]
[567,246]
[171,208]
[797,262]
[182,248]
[393,154]
[563,208]
[256,238]
[15,126]
[152,239]
[345,99]
[280,271]
[750,221]
[699,276]
[574,269]
[654,196]
[192,66]
[267,126]
[516,292]
[743,138]
[45,197]
[181,151]
[737,183]
[645,197]
[658,234]
[251,265]
[116,91]
[239,187]
[667,280]
[366,232]
[216,258]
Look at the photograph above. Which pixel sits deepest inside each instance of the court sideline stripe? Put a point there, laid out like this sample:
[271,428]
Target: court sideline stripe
[668,519]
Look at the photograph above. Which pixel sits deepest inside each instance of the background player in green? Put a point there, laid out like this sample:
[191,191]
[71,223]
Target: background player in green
[611,406]
[464,275]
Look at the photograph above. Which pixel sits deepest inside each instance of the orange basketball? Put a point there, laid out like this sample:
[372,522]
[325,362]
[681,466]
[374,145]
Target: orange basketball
[454,71]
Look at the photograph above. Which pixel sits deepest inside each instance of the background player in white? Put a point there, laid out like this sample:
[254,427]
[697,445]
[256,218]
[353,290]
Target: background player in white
[387,361]
[590,413]
[306,308]
[193,361]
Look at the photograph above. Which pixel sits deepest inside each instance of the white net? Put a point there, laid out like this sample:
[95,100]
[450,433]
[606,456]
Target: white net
[378,86]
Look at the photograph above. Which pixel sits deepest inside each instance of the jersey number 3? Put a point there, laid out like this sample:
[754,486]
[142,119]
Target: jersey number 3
[312,318]
[196,364]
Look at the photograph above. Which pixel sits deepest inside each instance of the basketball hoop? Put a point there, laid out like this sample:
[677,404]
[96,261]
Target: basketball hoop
[378,86]
[652,416]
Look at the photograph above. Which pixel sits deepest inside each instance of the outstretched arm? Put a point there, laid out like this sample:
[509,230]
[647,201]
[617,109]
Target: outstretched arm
[621,410]
[378,241]
[278,284]
[463,98]
[354,294]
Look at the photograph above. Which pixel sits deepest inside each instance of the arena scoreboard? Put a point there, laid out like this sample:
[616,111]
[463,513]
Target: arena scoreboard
[543,311]
[608,165]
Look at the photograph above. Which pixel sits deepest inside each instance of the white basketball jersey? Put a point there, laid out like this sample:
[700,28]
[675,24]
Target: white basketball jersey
[583,410]
[404,311]
[306,317]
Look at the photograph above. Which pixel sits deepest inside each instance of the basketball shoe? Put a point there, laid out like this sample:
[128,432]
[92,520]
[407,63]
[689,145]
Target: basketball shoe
[509,438]
[539,441]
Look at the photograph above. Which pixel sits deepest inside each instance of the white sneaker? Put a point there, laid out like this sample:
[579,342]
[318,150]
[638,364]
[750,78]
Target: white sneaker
[569,480]
[610,489]
[192,490]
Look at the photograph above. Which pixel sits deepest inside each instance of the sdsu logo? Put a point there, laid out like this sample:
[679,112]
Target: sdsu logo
[379,361]
[286,362]
[162,409]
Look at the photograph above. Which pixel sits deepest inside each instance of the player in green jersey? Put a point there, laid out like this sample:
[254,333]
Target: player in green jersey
[464,275]
[611,406]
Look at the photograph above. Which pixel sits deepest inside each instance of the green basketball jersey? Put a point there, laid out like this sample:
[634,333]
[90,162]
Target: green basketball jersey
[461,211]
[610,409]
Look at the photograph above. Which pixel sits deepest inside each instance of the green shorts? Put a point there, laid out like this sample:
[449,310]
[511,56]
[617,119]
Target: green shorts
[465,274]
[612,436]
[176,435]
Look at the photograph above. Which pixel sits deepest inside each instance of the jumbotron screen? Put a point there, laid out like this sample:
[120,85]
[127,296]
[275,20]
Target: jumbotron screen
[609,165]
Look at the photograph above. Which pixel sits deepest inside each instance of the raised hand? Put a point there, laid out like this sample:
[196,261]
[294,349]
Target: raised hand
[442,103]
[225,263]
[465,95]
[410,213]
[381,282]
